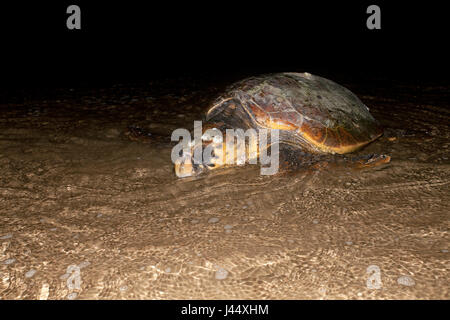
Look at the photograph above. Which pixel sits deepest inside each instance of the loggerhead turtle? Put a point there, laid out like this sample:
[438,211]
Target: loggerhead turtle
[315,117]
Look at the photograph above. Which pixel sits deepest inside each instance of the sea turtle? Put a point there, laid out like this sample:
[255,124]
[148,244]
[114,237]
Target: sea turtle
[315,117]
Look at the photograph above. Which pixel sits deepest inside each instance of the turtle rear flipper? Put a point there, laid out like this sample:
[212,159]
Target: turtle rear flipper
[292,158]
[355,162]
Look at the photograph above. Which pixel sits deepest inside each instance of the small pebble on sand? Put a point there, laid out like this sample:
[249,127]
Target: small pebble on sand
[406,281]
[6,236]
[315,221]
[194,221]
[213,220]
[30,273]
[9,261]
[221,274]
[228,227]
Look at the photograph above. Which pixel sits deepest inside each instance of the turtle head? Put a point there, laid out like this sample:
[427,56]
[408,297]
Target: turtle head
[209,151]
[186,167]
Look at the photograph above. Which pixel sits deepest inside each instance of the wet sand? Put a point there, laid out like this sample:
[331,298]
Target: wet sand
[85,213]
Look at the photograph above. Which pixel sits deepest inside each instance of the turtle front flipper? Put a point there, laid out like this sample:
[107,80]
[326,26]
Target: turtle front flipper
[369,161]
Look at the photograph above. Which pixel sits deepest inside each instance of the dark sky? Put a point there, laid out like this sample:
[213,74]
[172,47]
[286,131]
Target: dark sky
[139,40]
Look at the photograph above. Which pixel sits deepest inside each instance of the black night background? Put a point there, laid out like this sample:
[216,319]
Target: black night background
[136,41]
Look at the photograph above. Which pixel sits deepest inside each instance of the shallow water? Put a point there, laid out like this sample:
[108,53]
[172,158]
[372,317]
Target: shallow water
[85,213]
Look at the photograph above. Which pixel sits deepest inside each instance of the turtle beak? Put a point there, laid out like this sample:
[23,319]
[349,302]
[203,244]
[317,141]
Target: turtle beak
[185,167]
